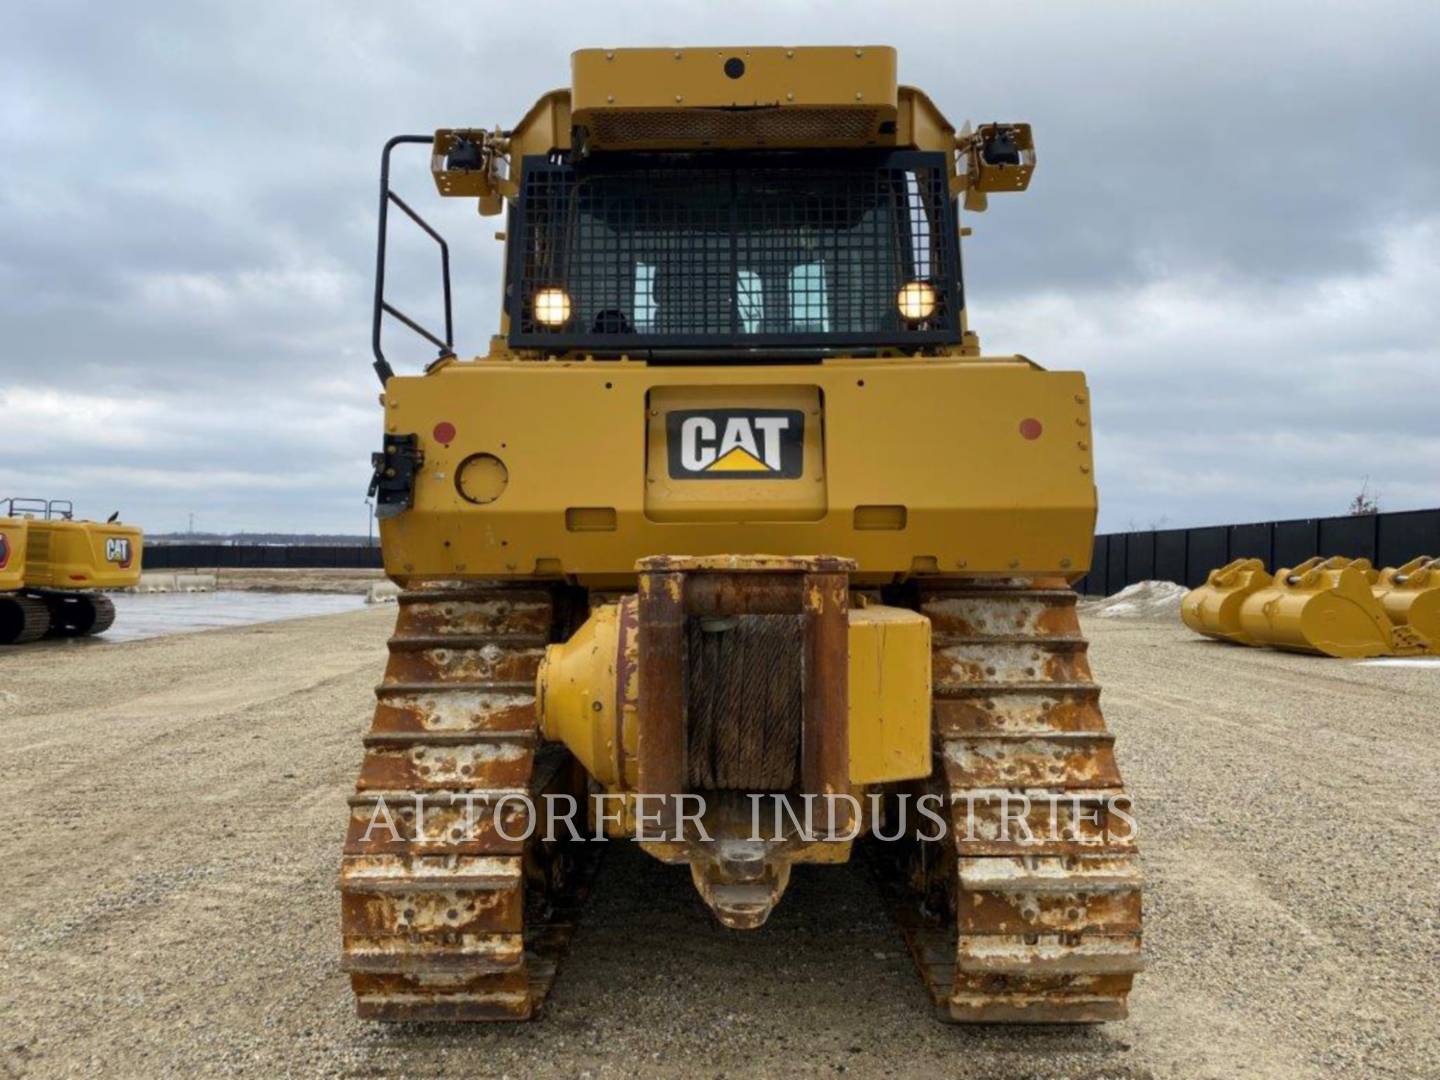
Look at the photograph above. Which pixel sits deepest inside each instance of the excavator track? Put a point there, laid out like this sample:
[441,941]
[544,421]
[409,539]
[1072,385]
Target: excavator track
[76,614]
[445,916]
[22,619]
[1004,930]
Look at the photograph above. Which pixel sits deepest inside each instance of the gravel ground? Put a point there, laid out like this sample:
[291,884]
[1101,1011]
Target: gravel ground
[177,805]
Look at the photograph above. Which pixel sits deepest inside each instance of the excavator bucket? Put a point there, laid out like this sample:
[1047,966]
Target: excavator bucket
[1325,606]
[1213,609]
[1410,595]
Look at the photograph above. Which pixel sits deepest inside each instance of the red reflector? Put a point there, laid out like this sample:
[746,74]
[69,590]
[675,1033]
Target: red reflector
[77,577]
[1030,428]
[444,432]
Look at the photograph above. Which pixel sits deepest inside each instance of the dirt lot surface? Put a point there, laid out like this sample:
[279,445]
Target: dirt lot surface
[175,815]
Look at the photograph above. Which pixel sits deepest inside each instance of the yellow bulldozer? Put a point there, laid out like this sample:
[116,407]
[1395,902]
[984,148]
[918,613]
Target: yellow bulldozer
[52,566]
[734,516]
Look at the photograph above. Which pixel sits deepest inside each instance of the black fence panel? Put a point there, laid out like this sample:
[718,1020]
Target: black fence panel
[1139,557]
[1252,542]
[1352,537]
[1170,547]
[1403,536]
[267,556]
[1208,548]
[1115,579]
[1294,542]
[173,556]
[1188,555]
[1093,583]
[1117,559]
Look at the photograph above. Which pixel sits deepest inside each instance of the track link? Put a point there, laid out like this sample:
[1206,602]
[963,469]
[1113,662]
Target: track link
[1004,930]
[104,614]
[76,614]
[458,922]
[22,619]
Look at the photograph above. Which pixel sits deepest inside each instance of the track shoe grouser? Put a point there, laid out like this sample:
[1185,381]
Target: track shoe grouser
[444,918]
[1008,922]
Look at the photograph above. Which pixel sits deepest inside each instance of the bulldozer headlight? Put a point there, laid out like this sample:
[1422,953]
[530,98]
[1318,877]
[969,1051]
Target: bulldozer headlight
[916,301]
[552,307]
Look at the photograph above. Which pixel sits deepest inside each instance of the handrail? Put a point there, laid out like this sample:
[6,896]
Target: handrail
[382,306]
[64,509]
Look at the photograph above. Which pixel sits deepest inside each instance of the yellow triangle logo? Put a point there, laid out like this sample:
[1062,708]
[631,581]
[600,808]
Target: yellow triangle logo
[739,460]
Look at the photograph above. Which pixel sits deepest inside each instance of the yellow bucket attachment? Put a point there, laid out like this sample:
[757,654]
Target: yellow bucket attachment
[1325,606]
[1213,609]
[1410,595]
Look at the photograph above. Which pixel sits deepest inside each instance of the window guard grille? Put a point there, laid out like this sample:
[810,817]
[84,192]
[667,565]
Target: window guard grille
[774,250]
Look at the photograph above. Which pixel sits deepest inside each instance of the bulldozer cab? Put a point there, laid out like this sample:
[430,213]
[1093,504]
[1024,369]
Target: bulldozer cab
[757,204]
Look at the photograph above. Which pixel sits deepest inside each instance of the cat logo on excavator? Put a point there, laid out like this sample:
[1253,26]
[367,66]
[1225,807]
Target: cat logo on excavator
[117,550]
[736,443]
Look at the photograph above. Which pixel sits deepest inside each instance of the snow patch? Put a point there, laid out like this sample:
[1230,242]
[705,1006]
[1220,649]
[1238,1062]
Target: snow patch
[1402,661]
[1143,600]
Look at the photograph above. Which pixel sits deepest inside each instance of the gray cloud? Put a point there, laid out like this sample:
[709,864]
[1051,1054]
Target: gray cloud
[1233,231]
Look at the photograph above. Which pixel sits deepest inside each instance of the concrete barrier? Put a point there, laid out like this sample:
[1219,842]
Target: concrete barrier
[382,592]
[153,582]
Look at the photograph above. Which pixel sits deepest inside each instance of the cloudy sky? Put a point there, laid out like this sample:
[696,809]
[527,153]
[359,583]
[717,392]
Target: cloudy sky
[1234,230]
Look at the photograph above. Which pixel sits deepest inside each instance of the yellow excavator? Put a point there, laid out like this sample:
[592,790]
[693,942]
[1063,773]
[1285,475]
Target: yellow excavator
[52,566]
[734,513]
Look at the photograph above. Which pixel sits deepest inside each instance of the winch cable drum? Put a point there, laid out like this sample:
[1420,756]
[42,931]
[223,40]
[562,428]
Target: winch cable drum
[745,702]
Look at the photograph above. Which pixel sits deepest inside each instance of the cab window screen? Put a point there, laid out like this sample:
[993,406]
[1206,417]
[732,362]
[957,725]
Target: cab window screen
[778,249]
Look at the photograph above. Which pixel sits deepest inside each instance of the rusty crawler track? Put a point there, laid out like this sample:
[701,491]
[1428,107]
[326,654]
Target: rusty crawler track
[459,923]
[1001,930]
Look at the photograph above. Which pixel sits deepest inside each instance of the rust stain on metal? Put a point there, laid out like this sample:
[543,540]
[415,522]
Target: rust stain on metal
[416,708]
[1043,886]
[825,745]
[433,888]
[627,693]
[740,880]
[661,642]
